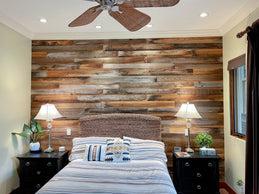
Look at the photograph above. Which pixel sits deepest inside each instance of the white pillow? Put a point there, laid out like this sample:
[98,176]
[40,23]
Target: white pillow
[141,149]
[78,149]
[137,140]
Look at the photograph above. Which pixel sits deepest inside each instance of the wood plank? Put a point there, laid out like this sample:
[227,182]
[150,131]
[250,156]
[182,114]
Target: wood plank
[207,71]
[52,42]
[140,104]
[162,71]
[182,53]
[97,98]
[188,40]
[184,98]
[173,59]
[39,54]
[174,78]
[102,60]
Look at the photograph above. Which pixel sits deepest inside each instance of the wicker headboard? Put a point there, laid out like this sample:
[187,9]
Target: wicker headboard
[119,125]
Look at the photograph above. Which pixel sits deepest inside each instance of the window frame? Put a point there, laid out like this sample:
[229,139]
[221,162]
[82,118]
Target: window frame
[232,65]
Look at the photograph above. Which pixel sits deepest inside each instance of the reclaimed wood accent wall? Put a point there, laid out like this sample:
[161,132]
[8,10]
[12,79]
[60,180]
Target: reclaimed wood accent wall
[143,76]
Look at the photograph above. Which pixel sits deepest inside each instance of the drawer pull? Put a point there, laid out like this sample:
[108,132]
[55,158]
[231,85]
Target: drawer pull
[27,164]
[187,164]
[37,186]
[38,172]
[49,164]
[198,187]
[198,174]
[210,164]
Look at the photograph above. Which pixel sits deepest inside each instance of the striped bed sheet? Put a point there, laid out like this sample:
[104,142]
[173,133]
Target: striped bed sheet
[136,176]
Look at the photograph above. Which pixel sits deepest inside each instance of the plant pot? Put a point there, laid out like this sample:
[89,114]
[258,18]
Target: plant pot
[34,147]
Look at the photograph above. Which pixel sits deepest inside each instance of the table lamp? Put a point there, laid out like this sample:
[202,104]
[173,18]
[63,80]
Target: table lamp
[188,111]
[48,112]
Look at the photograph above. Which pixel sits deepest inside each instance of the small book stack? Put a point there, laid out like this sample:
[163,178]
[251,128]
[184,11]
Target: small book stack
[183,154]
[207,151]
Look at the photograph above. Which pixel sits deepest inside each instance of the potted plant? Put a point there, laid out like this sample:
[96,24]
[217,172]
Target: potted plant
[204,140]
[32,133]
[240,184]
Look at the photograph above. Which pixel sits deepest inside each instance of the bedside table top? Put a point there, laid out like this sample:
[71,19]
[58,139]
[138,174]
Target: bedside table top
[42,154]
[196,155]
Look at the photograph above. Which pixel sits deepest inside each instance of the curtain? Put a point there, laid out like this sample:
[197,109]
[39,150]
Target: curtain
[251,182]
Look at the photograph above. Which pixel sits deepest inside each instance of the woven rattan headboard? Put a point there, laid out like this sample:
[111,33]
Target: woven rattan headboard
[119,125]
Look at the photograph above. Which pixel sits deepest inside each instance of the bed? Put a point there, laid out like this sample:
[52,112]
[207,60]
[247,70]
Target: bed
[146,172]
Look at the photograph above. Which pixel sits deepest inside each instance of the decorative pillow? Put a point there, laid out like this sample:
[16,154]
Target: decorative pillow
[78,149]
[117,150]
[95,152]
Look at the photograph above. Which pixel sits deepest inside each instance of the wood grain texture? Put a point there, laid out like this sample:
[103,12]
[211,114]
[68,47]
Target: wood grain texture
[142,76]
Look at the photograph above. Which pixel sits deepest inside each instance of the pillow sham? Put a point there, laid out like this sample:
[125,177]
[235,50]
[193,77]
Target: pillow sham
[141,149]
[117,150]
[95,152]
[78,149]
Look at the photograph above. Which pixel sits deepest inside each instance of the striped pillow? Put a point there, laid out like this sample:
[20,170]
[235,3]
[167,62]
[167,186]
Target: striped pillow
[117,150]
[78,149]
[95,152]
[141,149]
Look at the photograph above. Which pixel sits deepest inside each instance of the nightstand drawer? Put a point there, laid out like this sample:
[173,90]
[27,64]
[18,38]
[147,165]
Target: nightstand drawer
[198,169]
[44,167]
[195,186]
[32,185]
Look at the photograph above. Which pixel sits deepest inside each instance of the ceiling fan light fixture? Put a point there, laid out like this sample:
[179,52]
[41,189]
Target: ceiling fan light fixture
[43,20]
[98,27]
[203,15]
[149,26]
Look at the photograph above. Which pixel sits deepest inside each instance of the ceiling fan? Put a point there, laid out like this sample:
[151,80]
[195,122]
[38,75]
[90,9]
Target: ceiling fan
[123,11]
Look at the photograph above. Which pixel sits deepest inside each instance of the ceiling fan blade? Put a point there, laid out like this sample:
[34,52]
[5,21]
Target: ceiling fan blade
[151,3]
[130,18]
[87,17]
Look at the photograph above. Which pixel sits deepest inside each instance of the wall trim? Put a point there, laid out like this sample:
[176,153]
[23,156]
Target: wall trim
[248,8]
[125,35]
[15,26]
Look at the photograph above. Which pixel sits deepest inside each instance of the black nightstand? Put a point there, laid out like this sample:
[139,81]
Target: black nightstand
[38,168]
[196,174]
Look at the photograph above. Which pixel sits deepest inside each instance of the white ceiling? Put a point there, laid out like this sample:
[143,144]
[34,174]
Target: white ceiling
[180,20]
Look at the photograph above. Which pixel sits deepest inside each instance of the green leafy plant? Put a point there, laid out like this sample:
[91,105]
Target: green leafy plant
[203,139]
[33,132]
[239,182]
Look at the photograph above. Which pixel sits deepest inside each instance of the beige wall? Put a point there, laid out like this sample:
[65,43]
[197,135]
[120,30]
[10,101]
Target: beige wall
[234,147]
[15,86]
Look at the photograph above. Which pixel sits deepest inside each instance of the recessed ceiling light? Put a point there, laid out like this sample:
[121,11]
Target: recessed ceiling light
[149,25]
[43,20]
[98,27]
[203,15]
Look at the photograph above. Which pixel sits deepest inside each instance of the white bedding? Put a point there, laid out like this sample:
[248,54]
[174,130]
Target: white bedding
[136,176]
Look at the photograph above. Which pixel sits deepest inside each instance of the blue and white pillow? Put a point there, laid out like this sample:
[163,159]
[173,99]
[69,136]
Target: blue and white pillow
[95,152]
[117,150]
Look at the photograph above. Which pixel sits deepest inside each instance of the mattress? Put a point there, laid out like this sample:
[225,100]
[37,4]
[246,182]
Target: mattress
[136,176]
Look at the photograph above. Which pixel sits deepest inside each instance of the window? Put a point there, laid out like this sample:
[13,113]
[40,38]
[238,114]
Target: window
[237,71]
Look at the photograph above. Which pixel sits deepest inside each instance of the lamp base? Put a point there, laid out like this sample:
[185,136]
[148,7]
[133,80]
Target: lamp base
[49,149]
[189,150]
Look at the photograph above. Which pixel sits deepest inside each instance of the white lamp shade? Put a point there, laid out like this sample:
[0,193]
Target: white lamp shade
[188,111]
[48,112]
